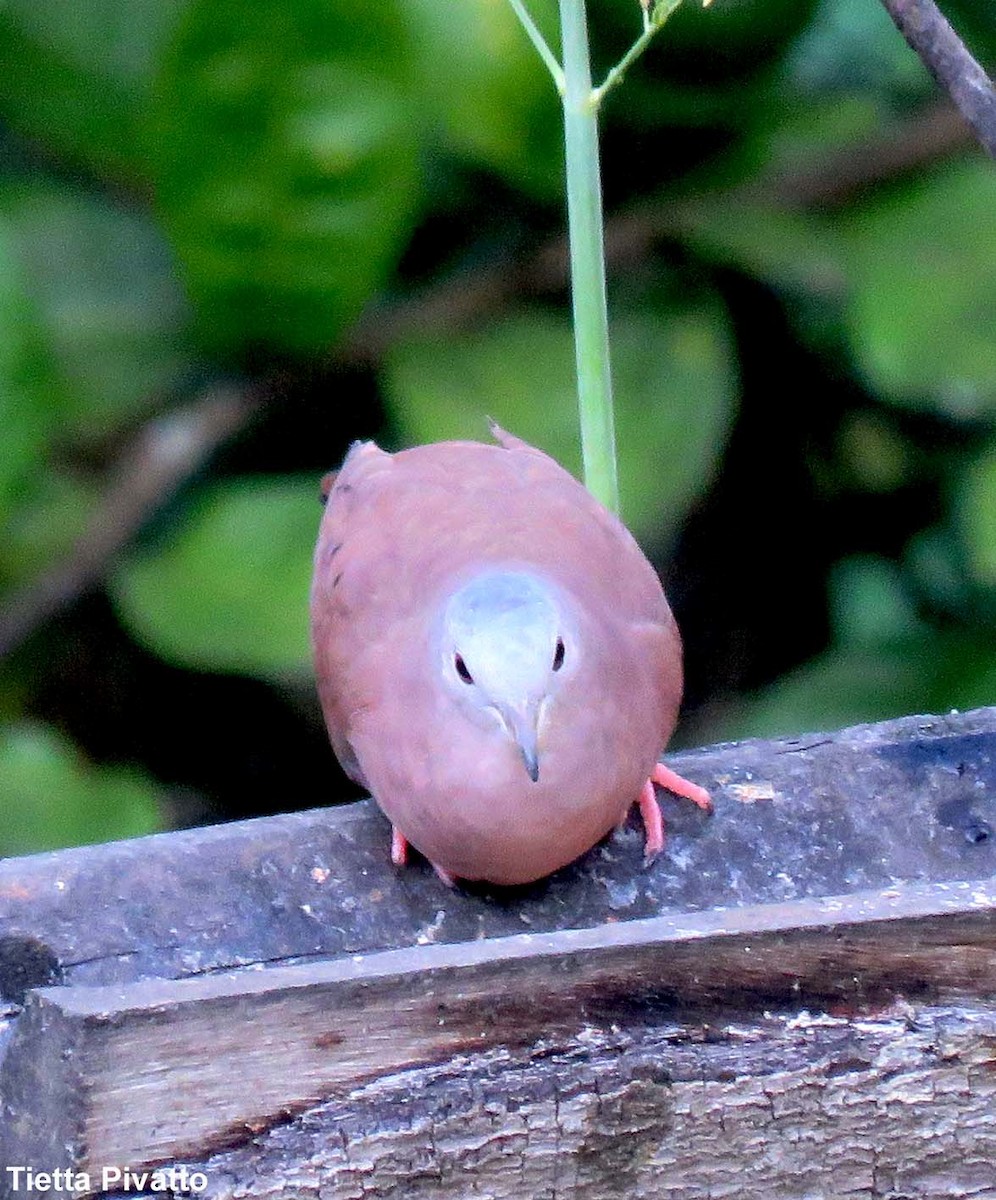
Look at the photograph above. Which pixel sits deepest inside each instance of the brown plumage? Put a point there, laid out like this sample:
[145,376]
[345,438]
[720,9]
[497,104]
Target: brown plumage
[495,656]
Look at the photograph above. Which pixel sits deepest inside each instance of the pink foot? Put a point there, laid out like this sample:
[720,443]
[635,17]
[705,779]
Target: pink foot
[399,847]
[445,876]
[650,810]
[666,778]
[399,856]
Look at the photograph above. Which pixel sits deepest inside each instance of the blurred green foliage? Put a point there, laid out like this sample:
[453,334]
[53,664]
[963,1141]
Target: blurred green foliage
[224,591]
[285,164]
[196,190]
[684,352]
[49,792]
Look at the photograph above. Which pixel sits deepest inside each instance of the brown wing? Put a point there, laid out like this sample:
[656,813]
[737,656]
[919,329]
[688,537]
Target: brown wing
[334,627]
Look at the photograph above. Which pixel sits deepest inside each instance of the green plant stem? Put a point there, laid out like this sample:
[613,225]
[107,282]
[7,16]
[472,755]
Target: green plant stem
[539,41]
[651,26]
[584,218]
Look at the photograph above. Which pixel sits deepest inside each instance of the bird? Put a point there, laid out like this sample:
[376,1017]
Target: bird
[495,657]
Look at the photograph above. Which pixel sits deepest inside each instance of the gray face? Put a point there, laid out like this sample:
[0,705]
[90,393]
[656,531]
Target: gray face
[504,646]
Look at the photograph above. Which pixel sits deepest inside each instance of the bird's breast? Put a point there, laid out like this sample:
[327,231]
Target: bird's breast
[461,794]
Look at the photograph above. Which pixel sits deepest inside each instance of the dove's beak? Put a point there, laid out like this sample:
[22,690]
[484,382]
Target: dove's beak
[522,725]
[530,756]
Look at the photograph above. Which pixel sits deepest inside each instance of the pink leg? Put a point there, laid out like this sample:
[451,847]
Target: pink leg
[399,847]
[399,856]
[666,778]
[653,823]
[445,876]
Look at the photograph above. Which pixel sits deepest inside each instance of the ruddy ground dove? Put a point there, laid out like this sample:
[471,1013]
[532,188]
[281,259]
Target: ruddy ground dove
[495,656]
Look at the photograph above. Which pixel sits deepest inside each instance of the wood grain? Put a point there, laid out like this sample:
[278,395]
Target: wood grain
[111,1071]
[895,1104]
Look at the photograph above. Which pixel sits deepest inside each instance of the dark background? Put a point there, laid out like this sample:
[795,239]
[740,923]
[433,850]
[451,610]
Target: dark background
[234,237]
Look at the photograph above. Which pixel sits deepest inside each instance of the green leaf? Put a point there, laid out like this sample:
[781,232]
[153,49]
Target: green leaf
[228,590]
[28,407]
[76,74]
[975,513]
[838,689]
[913,277]
[53,510]
[661,10]
[869,602]
[934,561]
[287,164]
[926,672]
[922,268]
[53,798]
[873,454]
[102,283]
[487,89]
[799,252]
[790,250]
[885,663]
[42,509]
[850,45]
[674,384]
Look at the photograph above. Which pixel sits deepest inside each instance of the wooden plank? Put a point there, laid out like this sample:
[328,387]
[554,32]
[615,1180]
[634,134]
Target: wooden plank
[892,1104]
[157,1070]
[913,799]
[834,873]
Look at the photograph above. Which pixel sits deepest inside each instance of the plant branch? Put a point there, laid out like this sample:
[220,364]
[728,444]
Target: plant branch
[539,41]
[834,180]
[165,452]
[652,23]
[944,54]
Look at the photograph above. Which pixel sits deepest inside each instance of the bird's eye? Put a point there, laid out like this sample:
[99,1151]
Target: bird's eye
[558,655]
[461,669]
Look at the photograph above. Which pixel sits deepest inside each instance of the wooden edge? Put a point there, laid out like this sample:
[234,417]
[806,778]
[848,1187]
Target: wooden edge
[911,799]
[102,1076]
[904,902]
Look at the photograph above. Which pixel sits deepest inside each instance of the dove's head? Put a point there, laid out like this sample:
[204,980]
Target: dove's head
[507,644]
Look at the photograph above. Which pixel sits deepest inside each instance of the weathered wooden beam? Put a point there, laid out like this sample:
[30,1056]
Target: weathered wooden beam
[99,1076]
[913,799]
[841,871]
[891,1105]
